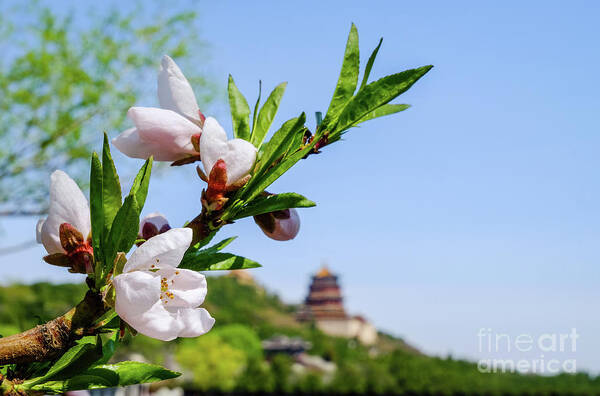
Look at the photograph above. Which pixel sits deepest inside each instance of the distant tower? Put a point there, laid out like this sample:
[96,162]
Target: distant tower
[324,300]
[324,305]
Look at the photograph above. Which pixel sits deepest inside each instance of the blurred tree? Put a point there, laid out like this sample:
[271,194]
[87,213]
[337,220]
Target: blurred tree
[256,379]
[243,338]
[281,367]
[67,77]
[214,364]
[311,383]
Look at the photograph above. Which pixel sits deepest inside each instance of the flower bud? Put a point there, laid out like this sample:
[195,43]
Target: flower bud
[227,163]
[152,225]
[281,225]
[66,233]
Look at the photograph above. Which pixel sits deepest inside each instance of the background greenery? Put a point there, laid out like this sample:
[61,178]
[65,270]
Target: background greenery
[64,80]
[230,358]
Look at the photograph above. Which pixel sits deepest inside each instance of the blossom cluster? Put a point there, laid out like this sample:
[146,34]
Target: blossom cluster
[151,294]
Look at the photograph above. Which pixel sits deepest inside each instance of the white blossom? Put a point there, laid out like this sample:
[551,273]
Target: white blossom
[158,299]
[237,154]
[165,133]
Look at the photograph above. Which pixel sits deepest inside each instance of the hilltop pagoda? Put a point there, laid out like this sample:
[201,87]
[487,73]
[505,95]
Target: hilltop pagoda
[324,300]
[324,305]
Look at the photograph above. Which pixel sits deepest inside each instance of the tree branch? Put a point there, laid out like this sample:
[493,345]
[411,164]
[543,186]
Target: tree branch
[49,340]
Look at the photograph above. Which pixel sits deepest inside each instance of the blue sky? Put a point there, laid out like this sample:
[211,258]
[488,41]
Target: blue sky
[476,208]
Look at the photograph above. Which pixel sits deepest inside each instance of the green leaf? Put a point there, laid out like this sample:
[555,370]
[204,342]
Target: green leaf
[91,379]
[75,360]
[199,261]
[375,95]
[274,152]
[108,348]
[97,214]
[111,187]
[219,245]
[255,113]
[279,169]
[240,111]
[267,114]
[131,373]
[273,203]
[124,230]
[348,79]
[279,142]
[370,64]
[384,110]
[204,241]
[141,183]
[110,376]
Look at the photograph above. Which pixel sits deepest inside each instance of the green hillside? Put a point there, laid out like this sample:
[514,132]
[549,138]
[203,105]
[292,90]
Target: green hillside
[230,358]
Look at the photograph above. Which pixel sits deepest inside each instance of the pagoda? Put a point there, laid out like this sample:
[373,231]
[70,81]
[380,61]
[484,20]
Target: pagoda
[324,300]
[324,306]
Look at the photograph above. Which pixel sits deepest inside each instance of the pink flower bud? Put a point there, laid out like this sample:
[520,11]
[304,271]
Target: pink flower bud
[66,233]
[152,225]
[281,225]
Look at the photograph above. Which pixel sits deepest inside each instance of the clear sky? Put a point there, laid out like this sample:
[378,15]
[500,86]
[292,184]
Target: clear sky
[476,208]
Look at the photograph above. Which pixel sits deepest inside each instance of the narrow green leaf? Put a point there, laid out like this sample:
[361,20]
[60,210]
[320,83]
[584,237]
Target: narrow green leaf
[370,64]
[194,250]
[217,247]
[141,182]
[273,203]
[91,379]
[108,348]
[205,241]
[240,111]
[274,151]
[97,214]
[348,79]
[376,94]
[384,110]
[111,187]
[255,114]
[131,373]
[75,360]
[110,376]
[216,262]
[279,169]
[267,114]
[279,142]
[124,230]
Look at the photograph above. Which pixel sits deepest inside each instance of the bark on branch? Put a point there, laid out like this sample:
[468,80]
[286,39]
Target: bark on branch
[50,340]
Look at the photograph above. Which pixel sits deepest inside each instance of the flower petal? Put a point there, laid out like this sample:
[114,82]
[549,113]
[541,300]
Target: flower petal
[187,288]
[195,322]
[67,205]
[38,230]
[174,90]
[239,155]
[136,292]
[157,322]
[130,144]
[169,132]
[165,249]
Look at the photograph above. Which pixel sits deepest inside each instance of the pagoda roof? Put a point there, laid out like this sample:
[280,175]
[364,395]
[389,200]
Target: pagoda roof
[324,273]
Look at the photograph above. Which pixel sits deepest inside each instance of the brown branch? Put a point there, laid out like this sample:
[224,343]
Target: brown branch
[50,340]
